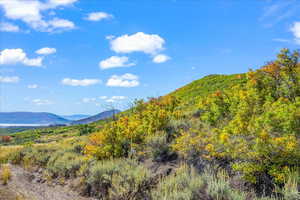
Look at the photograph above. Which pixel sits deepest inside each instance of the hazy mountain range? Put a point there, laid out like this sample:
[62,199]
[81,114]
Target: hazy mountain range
[9,119]
[75,117]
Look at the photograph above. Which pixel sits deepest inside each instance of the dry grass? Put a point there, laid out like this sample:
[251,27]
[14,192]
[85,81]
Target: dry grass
[6,151]
[5,174]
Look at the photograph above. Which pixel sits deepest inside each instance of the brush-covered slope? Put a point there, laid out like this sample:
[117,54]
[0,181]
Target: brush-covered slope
[31,118]
[192,92]
[241,130]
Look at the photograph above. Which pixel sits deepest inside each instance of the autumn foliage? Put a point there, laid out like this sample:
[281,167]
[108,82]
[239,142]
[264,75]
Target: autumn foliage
[128,133]
[255,125]
[6,139]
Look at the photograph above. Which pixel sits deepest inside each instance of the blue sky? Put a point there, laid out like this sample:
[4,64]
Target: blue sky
[84,56]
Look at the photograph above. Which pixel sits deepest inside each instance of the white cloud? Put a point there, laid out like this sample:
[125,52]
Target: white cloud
[12,56]
[161,58]
[110,101]
[109,37]
[15,56]
[98,16]
[115,99]
[61,2]
[8,27]
[115,61]
[61,23]
[9,79]
[126,80]
[88,100]
[41,102]
[296,31]
[138,42]
[103,97]
[33,86]
[118,97]
[46,51]
[83,82]
[35,62]
[30,12]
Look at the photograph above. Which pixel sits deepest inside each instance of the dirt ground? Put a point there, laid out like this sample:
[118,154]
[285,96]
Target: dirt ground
[26,186]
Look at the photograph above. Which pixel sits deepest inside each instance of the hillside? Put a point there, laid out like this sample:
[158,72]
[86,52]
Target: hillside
[223,137]
[42,118]
[193,91]
[75,117]
[98,117]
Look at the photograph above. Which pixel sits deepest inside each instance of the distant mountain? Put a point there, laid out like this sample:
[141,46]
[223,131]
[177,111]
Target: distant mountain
[75,117]
[41,118]
[100,116]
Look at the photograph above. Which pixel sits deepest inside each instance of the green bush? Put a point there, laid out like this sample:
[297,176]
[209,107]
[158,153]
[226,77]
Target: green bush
[117,179]
[184,184]
[64,164]
[218,187]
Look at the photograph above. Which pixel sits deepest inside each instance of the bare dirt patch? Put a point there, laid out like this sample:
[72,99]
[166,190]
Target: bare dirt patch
[25,185]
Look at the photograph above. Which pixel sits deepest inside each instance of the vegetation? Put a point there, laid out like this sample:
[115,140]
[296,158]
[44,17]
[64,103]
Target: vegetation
[236,137]
[5,174]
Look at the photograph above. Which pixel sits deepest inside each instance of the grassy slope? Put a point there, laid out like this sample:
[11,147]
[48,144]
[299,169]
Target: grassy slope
[190,93]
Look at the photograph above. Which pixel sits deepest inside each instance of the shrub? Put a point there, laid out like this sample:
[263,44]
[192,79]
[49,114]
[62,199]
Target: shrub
[85,129]
[218,187]
[184,184]
[127,134]
[117,179]
[5,174]
[158,147]
[290,189]
[64,164]
[6,139]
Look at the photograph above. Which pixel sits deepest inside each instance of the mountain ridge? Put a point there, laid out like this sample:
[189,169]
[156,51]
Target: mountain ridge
[43,118]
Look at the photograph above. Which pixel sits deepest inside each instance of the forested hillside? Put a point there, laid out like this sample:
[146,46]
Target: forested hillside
[223,137]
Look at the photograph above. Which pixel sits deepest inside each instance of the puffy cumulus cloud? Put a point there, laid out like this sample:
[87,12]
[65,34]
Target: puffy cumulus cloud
[15,56]
[83,82]
[8,27]
[46,51]
[160,58]
[125,80]
[41,102]
[296,31]
[98,16]
[32,86]
[115,61]
[12,56]
[30,12]
[9,79]
[138,42]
